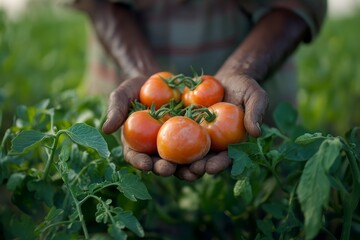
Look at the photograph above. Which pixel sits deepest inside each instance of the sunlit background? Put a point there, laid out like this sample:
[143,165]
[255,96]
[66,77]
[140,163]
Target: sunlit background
[43,53]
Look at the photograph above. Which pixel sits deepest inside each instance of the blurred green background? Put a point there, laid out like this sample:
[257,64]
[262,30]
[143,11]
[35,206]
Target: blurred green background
[42,53]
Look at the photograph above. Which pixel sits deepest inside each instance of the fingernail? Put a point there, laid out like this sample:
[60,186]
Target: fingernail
[258,126]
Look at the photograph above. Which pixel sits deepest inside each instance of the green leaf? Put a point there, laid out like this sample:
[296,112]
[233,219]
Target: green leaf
[240,160]
[289,223]
[131,223]
[88,136]
[296,152]
[27,140]
[43,191]
[308,138]
[314,187]
[285,117]
[102,213]
[15,180]
[266,226]
[116,231]
[353,136]
[274,208]
[243,189]
[131,186]
[65,151]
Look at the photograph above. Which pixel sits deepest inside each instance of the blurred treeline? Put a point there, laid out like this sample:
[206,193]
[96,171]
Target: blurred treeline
[42,53]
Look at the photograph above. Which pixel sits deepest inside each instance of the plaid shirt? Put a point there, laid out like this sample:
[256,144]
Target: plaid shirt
[203,33]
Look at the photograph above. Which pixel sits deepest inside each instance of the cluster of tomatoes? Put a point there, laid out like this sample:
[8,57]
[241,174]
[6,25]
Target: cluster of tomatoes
[182,118]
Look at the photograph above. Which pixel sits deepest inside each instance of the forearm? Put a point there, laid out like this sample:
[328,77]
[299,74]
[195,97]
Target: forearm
[271,41]
[120,35]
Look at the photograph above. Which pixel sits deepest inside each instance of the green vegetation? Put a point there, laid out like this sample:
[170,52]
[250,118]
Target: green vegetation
[329,77]
[61,178]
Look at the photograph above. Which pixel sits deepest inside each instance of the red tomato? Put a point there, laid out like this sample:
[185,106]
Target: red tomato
[207,93]
[227,127]
[156,90]
[140,131]
[182,140]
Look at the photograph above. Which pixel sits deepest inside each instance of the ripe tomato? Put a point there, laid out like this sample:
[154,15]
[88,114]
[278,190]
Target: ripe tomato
[140,131]
[227,127]
[207,93]
[156,90]
[182,140]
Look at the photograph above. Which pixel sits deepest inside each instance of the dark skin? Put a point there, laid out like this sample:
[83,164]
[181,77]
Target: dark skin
[269,43]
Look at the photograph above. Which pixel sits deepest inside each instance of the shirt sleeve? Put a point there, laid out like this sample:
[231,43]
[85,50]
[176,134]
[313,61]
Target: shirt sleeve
[313,12]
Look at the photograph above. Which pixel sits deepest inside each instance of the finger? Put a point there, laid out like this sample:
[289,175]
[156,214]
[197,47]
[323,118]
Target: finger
[138,160]
[183,172]
[218,163]
[119,102]
[255,107]
[117,111]
[198,167]
[162,167]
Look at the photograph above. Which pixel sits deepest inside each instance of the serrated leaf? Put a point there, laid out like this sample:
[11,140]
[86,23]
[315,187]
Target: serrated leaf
[308,138]
[116,231]
[103,211]
[243,189]
[296,152]
[26,140]
[314,187]
[131,223]
[240,160]
[88,136]
[131,186]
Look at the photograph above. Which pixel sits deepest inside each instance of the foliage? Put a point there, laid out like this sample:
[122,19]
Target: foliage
[64,178]
[329,76]
[42,52]
[55,176]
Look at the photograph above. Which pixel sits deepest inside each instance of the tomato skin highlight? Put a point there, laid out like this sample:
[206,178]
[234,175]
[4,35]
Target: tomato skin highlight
[140,132]
[207,93]
[228,126]
[181,140]
[155,90]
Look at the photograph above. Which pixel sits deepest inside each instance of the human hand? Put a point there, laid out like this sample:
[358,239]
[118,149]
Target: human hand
[118,109]
[245,92]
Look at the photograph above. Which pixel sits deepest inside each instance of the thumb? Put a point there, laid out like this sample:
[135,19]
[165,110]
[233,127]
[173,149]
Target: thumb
[119,103]
[255,107]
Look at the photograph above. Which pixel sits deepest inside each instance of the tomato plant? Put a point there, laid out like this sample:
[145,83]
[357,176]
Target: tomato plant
[204,90]
[182,140]
[225,125]
[158,90]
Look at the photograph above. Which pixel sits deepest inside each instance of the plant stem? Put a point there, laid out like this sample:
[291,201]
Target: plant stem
[78,208]
[51,158]
[6,135]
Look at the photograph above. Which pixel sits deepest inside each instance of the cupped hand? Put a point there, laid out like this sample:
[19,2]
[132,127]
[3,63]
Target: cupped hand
[240,90]
[245,92]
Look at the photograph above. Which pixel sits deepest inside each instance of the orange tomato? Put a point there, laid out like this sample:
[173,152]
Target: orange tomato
[140,131]
[207,93]
[227,127]
[182,140]
[156,90]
